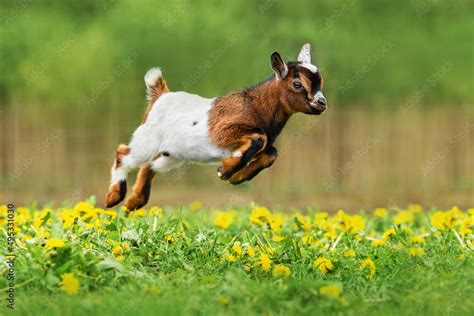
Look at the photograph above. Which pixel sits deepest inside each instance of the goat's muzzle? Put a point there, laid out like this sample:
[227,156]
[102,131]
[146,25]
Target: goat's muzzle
[319,102]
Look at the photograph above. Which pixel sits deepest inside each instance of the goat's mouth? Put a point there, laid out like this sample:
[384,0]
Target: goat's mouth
[317,108]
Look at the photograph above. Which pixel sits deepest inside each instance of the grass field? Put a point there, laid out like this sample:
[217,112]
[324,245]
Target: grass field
[79,259]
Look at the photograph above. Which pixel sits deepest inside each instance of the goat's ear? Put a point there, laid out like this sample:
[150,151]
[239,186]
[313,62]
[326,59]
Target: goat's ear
[279,66]
[305,54]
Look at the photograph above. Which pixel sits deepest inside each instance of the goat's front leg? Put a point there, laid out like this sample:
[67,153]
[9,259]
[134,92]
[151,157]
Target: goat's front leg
[262,161]
[249,146]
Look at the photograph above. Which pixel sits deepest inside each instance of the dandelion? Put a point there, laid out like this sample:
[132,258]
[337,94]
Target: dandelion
[281,271]
[369,263]
[224,219]
[437,219]
[117,250]
[277,238]
[237,249]
[265,262]
[378,242]
[417,239]
[349,253]
[156,211]
[403,217]
[416,251]
[169,239]
[252,250]
[69,283]
[195,206]
[323,264]
[389,233]
[260,216]
[230,257]
[381,212]
[331,290]
[54,243]
[138,213]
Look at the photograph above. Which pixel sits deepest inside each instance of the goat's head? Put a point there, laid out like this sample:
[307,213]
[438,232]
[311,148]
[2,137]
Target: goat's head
[300,82]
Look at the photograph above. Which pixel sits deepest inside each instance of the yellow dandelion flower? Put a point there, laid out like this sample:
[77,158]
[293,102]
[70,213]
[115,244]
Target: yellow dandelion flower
[281,271]
[69,283]
[389,233]
[403,217]
[320,217]
[415,251]
[195,206]
[277,238]
[155,211]
[260,216]
[306,227]
[357,223]
[417,239]
[349,253]
[169,239]
[54,243]
[470,211]
[378,242]
[237,249]
[265,262]
[138,213]
[276,222]
[381,212]
[120,257]
[438,219]
[117,250]
[252,250]
[230,257]
[331,290]
[369,263]
[323,264]
[224,219]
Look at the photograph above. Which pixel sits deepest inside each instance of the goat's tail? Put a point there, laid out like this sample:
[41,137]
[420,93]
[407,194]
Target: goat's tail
[155,87]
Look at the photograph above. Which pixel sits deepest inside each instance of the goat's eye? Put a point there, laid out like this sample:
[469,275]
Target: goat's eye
[297,85]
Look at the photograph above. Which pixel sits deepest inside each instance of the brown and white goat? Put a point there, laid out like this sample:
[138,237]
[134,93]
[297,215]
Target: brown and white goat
[239,129]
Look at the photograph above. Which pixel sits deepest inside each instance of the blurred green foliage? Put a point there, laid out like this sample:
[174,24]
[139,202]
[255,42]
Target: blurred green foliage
[86,53]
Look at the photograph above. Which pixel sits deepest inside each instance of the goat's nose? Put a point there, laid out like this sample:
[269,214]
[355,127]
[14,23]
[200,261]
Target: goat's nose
[322,101]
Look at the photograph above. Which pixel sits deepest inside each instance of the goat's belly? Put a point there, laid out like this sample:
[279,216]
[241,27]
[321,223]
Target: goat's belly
[180,123]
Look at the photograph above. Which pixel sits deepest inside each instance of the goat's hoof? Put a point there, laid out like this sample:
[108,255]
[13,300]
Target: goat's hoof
[135,202]
[236,181]
[224,175]
[116,194]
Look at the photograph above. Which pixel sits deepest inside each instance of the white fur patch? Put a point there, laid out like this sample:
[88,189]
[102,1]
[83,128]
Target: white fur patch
[237,153]
[178,125]
[152,76]
[311,67]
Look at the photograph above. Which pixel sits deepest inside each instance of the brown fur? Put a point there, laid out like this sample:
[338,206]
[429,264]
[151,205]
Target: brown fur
[141,189]
[153,94]
[236,118]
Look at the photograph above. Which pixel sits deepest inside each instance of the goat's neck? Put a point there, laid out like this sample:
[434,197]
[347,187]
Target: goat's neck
[268,101]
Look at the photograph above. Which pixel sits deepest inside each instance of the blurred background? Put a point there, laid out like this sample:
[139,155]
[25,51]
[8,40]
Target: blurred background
[398,77]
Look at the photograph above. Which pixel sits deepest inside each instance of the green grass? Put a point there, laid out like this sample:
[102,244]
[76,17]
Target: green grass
[153,263]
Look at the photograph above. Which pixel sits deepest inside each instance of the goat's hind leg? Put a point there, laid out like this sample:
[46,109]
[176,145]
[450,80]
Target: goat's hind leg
[141,189]
[118,183]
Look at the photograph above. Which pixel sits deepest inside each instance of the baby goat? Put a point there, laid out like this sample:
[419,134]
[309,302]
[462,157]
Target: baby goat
[238,129]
